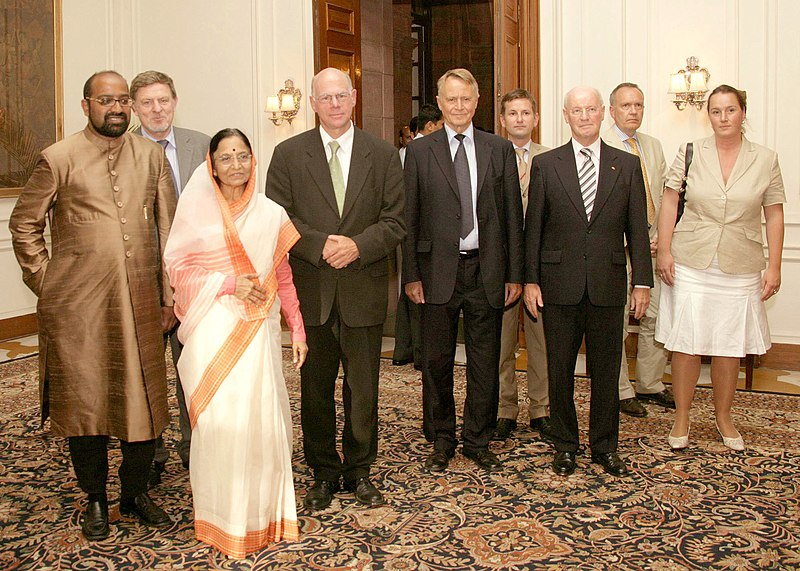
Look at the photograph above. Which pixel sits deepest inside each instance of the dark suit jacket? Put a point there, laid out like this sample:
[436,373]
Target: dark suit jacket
[433,217]
[568,255]
[299,180]
[192,147]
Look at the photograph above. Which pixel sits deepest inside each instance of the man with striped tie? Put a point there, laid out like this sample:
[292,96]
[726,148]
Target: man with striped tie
[586,199]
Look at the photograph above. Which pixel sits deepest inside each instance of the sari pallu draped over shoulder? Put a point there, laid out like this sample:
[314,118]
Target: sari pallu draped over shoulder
[235,382]
[199,257]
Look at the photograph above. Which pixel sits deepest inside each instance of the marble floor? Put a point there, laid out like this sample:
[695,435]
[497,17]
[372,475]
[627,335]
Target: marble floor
[764,380]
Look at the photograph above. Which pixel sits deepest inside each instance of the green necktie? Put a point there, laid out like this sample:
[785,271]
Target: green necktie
[336,176]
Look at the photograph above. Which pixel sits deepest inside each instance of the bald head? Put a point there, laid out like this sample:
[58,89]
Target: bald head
[583,112]
[330,74]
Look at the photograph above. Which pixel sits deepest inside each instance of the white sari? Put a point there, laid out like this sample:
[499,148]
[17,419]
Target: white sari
[230,367]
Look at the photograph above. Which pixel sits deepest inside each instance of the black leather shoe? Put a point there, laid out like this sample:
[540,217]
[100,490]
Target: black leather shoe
[95,521]
[664,398]
[154,477]
[485,459]
[320,495]
[366,492]
[544,427]
[437,461]
[401,362]
[145,509]
[632,407]
[505,427]
[611,463]
[564,463]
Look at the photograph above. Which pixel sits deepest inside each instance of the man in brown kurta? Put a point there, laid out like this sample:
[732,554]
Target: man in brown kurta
[104,298]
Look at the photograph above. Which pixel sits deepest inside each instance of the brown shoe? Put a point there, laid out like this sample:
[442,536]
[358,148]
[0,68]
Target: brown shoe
[632,407]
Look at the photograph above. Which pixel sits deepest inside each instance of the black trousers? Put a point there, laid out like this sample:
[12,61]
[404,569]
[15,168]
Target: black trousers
[564,328]
[184,446]
[482,327]
[407,331]
[89,456]
[358,349]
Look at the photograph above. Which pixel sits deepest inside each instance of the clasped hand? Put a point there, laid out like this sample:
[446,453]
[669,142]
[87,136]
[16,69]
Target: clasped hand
[249,290]
[339,251]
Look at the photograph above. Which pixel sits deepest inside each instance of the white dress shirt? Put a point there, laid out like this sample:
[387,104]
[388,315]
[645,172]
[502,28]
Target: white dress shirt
[345,152]
[471,241]
[172,155]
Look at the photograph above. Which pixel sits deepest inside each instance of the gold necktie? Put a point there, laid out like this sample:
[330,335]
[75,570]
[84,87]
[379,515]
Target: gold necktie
[337,178]
[651,206]
[522,168]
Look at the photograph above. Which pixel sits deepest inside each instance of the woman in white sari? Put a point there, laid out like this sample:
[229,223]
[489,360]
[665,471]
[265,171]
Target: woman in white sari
[227,261]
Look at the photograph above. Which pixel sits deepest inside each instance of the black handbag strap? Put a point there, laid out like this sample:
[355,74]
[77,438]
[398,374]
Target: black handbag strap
[687,160]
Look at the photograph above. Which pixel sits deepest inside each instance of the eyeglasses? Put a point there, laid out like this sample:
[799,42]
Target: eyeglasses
[106,101]
[578,111]
[227,160]
[327,99]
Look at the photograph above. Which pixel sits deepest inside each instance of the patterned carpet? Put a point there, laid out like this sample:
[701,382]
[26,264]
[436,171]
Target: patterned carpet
[706,508]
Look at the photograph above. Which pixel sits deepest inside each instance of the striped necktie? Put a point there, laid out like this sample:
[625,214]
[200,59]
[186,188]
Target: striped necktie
[587,177]
[651,207]
[522,168]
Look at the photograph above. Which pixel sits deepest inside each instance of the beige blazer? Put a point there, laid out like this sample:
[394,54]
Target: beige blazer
[536,149]
[720,219]
[654,162]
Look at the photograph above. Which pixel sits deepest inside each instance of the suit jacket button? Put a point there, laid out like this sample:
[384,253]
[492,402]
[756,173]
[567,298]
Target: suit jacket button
[584,256]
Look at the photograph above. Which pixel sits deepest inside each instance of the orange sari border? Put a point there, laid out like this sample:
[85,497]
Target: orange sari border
[240,546]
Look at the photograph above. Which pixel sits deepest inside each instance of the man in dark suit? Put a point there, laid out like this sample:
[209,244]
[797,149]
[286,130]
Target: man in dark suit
[154,102]
[463,252]
[586,199]
[343,190]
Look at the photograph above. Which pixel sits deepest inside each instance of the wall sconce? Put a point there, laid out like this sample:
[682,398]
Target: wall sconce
[285,106]
[689,85]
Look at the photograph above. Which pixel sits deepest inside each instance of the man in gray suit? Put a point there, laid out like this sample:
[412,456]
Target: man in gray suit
[343,190]
[626,106]
[154,102]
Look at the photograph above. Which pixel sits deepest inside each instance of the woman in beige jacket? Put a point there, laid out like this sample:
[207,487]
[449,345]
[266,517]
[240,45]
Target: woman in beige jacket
[712,261]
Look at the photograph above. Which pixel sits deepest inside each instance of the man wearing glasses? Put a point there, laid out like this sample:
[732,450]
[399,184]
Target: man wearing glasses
[343,190]
[154,102]
[104,298]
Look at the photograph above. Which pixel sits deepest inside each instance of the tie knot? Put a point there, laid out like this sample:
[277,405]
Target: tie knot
[520,153]
[587,153]
[163,143]
[334,145]
[460,137]
[633,143]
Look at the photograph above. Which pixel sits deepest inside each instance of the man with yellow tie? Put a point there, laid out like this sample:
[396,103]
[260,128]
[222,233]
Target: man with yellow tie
[519,116]
[626,106]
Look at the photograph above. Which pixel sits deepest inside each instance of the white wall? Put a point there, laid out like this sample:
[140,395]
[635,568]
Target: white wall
[752,45]
[226,58]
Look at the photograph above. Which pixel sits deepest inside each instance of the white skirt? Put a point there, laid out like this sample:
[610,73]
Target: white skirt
[709,312]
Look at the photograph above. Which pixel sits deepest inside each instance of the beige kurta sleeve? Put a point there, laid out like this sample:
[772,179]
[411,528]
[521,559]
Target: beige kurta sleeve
[28,221]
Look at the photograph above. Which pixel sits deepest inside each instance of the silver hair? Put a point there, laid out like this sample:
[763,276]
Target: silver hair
[581,88]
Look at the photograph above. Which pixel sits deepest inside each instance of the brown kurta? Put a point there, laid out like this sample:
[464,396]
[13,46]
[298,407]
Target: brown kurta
[101,361]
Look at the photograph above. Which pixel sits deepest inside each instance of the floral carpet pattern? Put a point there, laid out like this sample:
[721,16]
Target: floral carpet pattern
[705,508]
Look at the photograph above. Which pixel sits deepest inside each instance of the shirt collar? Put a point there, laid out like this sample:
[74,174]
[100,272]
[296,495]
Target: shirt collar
[345,140]
[469,132]
[623,136]
[594,147]
[170,137]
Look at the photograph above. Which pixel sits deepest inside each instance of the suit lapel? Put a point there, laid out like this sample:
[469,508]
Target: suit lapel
[483,156]
[567,172]
[357,175]
[606,178]
[317,167]
[441,152]
[185,152]
[711,158]
[747,156]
